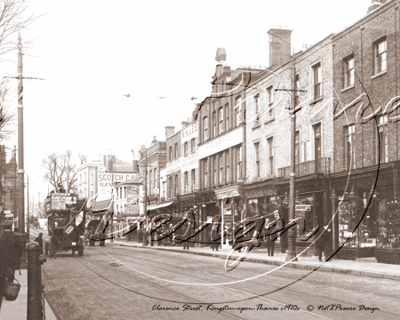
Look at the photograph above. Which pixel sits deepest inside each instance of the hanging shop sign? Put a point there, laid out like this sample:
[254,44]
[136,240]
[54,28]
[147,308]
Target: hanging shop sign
[303,207]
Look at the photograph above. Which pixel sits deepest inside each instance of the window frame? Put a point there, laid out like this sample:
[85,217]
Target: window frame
[270,150]
[348,70]
[257,109]
[226,117]
[205,128]
[317,80]
[257,166]
[238,110]
[221,124]
[378,67]
[270,102]
[349,134]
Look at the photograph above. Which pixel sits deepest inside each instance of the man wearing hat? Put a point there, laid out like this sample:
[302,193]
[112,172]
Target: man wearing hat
[322,242]
[10,253]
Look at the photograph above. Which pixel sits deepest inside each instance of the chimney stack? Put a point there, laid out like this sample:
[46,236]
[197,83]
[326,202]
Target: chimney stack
[304,46]
[154,140]
[279,46]
[169,131]
[375,4]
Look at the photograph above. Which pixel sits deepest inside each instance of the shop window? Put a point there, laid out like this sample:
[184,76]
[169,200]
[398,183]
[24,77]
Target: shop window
[362,232]
[389,224]
[252,207]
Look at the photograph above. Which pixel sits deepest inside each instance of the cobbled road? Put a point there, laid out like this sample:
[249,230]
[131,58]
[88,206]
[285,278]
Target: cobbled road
[114,282]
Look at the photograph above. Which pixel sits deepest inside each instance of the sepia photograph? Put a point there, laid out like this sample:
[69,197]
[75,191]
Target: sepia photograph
[199,159]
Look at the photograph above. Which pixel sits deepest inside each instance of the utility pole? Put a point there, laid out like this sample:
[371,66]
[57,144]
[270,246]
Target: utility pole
[112,198]
[28,228]
[291,254]
[15,181]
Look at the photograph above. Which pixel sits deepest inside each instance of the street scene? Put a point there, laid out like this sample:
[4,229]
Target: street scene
[155,165]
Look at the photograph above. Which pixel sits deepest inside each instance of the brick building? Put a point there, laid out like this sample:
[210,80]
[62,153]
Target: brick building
[151,161]
[222,138]
[268,132]
[365,184]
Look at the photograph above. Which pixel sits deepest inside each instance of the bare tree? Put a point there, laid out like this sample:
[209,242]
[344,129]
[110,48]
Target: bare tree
[6,116]
[83,158]
[14,17]
[60,170]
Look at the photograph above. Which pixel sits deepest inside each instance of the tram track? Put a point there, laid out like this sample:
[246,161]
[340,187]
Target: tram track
[255,296]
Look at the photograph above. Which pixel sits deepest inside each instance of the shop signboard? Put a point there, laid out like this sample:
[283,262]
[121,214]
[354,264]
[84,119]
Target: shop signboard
[303,207]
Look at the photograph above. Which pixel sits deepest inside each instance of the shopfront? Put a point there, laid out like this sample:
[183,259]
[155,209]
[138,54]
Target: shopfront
[368,214]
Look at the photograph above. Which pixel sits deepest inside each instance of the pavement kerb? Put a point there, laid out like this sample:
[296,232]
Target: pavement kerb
[295,265]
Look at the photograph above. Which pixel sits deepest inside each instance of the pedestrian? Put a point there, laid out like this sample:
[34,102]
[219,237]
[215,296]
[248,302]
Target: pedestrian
[10,253]
[322,243]
[39,240]
[214,235]
[274,233]
[185,237]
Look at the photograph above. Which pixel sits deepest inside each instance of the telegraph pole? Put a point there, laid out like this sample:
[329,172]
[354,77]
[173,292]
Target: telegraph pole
[27,207]
[291,254]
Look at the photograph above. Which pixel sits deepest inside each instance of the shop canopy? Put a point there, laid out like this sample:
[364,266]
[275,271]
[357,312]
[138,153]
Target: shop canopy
[158,206]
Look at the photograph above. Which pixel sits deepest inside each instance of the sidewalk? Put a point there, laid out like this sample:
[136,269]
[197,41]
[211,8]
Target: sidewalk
[363,267]
[17,310]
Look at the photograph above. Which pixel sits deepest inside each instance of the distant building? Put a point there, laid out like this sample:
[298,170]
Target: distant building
[100,173]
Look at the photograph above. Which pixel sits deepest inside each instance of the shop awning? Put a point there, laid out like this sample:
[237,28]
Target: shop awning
[158,206]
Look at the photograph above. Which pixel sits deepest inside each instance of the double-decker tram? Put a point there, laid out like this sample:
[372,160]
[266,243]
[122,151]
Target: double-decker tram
[66,217]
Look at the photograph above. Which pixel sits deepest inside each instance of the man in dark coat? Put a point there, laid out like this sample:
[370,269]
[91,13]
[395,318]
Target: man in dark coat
[322,243]
[186,235]
[10,253]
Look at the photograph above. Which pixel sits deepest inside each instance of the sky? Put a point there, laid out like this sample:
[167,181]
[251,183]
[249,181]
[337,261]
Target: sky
[92,53]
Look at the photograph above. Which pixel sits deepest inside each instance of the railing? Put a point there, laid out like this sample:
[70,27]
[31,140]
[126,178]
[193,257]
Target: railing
[322,165]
